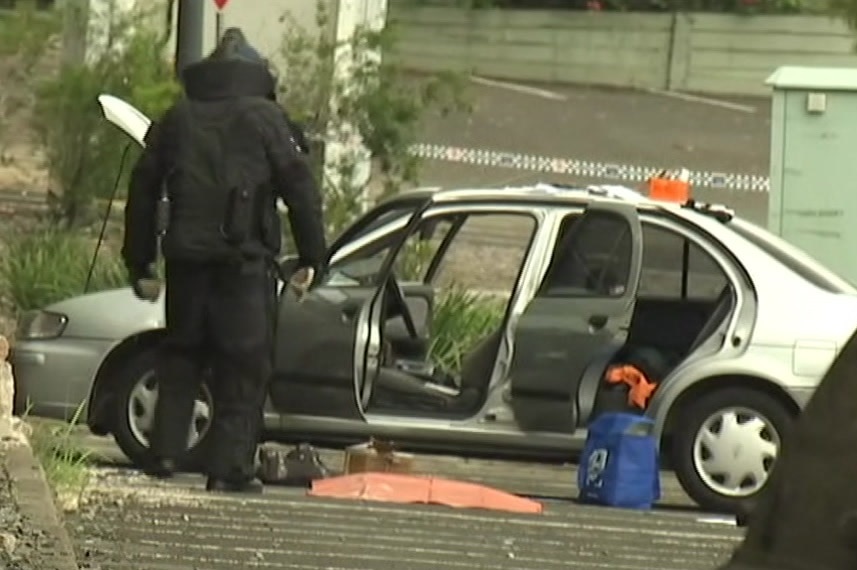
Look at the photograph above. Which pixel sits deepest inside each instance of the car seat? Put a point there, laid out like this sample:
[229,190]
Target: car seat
[397,387]
[722,309]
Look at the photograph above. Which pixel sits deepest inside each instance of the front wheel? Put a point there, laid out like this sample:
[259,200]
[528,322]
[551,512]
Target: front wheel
[725,445]
[136,396]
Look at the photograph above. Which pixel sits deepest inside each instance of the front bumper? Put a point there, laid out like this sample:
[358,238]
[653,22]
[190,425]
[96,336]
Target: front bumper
[53,378]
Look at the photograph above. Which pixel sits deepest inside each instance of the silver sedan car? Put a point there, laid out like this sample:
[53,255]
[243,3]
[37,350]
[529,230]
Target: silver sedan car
[737,326]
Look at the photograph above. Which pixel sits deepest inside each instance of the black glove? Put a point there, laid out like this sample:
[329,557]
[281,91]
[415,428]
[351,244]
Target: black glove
[145,283]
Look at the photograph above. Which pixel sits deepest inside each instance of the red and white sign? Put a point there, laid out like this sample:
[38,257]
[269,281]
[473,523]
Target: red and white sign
[221,4]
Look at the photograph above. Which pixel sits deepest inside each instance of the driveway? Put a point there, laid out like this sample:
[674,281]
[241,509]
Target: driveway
[129,521]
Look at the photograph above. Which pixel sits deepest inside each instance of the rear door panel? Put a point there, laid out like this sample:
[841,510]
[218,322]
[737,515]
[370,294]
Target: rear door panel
[579,316]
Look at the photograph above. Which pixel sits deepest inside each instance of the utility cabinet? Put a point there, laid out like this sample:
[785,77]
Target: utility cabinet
[813,180]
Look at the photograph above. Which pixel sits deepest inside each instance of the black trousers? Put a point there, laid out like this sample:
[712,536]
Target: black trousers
[219,317]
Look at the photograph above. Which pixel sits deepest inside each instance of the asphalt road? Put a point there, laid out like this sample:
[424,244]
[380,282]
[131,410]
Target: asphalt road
[606,125]
[129,521]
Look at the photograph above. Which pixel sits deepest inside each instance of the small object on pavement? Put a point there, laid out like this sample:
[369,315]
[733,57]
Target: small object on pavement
[377,456]
[399,488]
[619,465]
[297,467]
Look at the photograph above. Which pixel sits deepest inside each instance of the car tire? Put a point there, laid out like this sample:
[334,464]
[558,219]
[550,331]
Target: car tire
[742,409]
[137,370]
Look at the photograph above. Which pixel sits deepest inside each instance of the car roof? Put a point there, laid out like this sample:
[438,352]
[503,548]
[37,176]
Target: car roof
[559,194]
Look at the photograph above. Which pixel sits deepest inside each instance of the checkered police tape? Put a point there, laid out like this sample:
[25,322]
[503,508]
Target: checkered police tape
[574,167]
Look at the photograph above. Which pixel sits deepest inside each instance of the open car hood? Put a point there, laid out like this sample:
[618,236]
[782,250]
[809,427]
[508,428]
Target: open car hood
[126,117]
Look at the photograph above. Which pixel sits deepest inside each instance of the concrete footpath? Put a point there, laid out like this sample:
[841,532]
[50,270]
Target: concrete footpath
[32,535]
[130,521]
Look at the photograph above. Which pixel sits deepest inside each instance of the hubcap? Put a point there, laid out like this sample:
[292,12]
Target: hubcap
[141,411]
[734,451]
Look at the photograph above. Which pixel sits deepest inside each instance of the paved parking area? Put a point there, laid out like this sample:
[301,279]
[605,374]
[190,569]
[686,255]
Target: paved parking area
[620,127]
[128,521]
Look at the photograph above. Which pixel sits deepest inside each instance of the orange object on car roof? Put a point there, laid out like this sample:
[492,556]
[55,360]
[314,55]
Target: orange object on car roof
[396,488]
[670,188]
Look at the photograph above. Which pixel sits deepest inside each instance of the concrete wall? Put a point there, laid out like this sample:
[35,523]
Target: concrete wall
[688,52]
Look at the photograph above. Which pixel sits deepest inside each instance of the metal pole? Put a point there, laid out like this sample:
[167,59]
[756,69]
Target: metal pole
[218,26]
[189,33]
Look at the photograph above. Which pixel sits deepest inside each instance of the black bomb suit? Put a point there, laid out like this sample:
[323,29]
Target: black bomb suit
[225,154]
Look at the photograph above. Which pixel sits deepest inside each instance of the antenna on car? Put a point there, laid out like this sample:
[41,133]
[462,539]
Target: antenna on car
[107,213]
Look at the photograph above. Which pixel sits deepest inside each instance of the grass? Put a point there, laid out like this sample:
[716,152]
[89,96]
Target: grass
[45,265]
[460,321]
[63,457]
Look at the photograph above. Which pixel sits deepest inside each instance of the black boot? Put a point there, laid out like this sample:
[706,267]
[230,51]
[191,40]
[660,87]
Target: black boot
[253,486]
[160,468]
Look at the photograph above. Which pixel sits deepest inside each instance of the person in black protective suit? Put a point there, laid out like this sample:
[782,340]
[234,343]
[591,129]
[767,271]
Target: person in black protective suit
[223,154]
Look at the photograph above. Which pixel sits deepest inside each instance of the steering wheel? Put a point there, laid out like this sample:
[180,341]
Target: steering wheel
[398,299]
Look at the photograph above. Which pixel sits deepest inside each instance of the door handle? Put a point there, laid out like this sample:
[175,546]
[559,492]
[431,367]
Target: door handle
[597,322]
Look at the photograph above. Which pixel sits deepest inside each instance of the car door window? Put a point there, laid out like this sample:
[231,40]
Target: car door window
[362,267]
[592,257]
[414,260]
[485,254]
[666,273]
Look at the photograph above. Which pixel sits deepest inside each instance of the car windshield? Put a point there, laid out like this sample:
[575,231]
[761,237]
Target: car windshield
[792,257]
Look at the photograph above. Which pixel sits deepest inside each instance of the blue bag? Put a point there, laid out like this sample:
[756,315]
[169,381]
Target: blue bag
[619,465]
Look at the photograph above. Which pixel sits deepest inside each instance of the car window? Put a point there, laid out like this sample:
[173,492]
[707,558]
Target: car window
[592,257]
[414,260]
[362,268]
[485,254]
[667,274]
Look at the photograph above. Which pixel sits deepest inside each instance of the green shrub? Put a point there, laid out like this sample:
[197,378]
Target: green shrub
[462,319]
[82,150]
[47,265]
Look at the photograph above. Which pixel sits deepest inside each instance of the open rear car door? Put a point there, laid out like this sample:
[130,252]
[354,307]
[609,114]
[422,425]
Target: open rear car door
[578,318]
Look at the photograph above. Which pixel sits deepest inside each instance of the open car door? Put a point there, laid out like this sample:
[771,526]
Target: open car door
[578,318]
[320,340]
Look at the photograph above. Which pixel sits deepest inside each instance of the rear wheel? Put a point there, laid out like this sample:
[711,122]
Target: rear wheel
[135,399]
[725,445]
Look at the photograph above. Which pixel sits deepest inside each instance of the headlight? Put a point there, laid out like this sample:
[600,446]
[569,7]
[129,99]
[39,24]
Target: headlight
[37,325]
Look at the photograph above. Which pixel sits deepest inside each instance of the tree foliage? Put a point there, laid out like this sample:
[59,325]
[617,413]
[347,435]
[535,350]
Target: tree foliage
[26,34]
[83,152]
[348,95]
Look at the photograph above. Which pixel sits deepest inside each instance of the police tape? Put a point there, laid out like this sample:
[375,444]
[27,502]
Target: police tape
[584,168]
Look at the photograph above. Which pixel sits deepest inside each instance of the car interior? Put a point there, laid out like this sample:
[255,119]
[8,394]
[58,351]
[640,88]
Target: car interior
[669,325]
[407,379]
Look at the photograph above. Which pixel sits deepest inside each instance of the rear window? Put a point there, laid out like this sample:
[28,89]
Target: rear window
[792,257]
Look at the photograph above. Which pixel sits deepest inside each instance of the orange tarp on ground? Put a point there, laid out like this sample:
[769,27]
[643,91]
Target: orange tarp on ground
[396,488]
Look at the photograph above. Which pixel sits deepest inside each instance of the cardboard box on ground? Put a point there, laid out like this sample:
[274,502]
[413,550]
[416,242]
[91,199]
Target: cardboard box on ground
[376,456]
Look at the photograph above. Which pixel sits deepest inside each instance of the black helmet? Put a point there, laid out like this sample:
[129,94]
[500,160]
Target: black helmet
[234,45]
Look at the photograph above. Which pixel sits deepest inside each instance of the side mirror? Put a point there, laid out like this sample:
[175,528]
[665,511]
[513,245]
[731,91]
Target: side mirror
[288,266]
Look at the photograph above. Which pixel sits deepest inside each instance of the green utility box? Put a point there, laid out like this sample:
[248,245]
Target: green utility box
[813,182]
